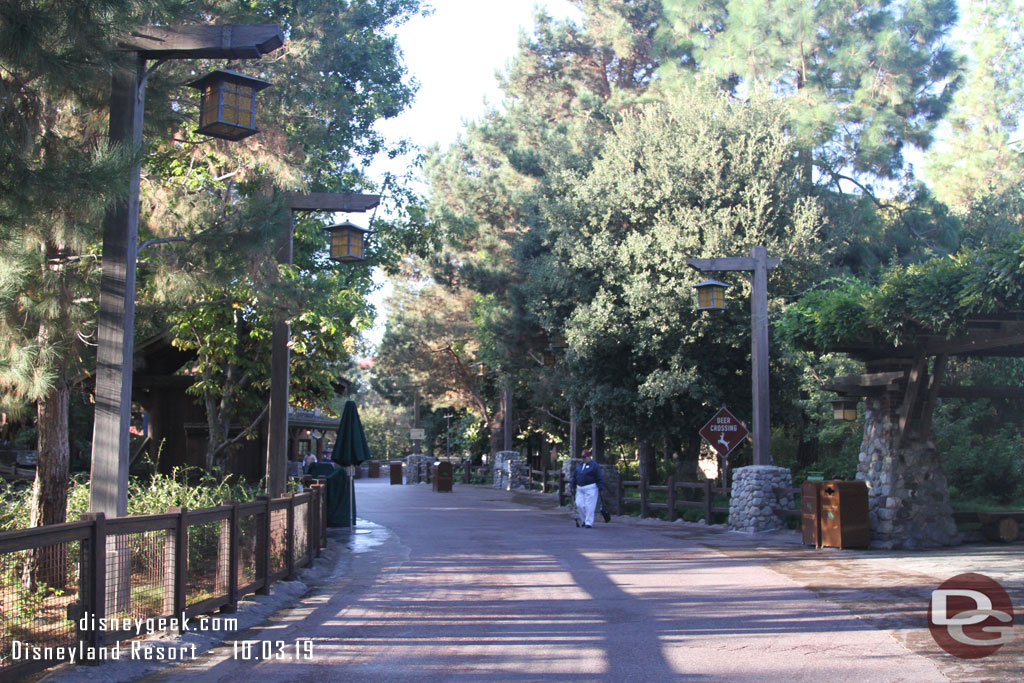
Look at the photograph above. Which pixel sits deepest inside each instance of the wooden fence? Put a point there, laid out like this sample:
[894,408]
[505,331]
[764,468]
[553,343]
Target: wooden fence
[673,501]
[58,582]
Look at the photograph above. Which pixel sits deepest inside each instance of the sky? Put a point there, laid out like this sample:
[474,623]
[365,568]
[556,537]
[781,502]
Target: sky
[454,55]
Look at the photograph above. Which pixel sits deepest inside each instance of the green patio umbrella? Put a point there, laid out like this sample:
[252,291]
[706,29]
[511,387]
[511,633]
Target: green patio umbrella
[350,450]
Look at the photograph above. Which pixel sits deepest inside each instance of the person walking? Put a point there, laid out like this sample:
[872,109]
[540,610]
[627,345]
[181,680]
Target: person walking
[587,483]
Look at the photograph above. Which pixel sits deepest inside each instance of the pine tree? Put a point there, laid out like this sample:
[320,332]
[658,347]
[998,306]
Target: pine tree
[976,158]
[865,78]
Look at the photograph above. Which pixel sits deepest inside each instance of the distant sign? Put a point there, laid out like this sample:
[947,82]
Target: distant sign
[724,432]
[417,434]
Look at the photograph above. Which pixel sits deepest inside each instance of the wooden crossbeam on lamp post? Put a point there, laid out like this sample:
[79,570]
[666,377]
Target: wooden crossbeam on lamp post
[116,323]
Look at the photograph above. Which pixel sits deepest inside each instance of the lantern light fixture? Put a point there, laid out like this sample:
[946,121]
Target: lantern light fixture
[710,295]
[844,409]
[227,109]
[347,242]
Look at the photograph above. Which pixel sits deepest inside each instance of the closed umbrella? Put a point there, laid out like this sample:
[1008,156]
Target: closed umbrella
[350,450]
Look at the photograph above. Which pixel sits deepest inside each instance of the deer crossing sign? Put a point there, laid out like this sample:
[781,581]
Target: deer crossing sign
[724,432]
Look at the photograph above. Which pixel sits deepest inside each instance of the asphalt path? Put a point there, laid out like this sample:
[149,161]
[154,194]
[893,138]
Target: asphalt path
[471,586]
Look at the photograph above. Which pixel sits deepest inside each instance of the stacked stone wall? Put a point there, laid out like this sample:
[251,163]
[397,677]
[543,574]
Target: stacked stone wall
[417,468]
[511,471]
[756,496]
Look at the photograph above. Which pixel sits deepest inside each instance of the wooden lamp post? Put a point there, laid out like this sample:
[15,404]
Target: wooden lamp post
[280,374]
[758,265]
[115,337]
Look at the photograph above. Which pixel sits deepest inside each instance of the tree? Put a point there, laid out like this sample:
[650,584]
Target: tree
[865,78]
[701,174]
[976,160]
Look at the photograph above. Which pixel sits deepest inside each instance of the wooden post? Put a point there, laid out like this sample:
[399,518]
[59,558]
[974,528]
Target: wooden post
[116,323]
[709,502]
[759,356]
[561,488]
[262,558]
[644,483]
[289,552]
[544,481]
[180,563]
[672,497]
[95,582]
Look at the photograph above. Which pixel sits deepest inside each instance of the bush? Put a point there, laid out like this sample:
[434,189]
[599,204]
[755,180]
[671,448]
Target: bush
[184,487]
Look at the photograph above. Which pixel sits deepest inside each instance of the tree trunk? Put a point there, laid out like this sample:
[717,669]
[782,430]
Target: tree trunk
[50,492]
[597,441]
[648,461]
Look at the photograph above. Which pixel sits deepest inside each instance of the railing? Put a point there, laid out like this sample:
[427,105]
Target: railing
[476,474]
[547,480]
[673,501]
[58,582]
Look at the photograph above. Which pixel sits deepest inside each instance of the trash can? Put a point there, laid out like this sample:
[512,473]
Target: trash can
[374,472]
[810,508]
[443,476]
[844,514]
[396,473]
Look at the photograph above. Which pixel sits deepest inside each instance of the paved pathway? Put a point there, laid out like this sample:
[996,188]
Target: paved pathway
[474,586]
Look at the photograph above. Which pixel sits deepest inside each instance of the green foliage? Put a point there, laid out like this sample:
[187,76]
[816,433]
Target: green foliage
[865,78]
[980,454]
[937,296]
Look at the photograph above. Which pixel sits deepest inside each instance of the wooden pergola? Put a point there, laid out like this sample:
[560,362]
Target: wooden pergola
[905,373]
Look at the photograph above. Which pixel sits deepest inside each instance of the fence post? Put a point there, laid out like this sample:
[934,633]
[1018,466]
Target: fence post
[289,545]
[95,602]
[263,547]
[672,497]
[323,513]
[544,481]
[561,488]
[645,512]
[180,564]
[709,502]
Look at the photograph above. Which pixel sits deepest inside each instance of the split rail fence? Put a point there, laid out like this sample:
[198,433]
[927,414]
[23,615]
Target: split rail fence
[57,582]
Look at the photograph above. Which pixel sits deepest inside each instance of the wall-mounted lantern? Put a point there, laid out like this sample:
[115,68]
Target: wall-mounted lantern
[844,409]
[710,295]
[347,241]
[227,109]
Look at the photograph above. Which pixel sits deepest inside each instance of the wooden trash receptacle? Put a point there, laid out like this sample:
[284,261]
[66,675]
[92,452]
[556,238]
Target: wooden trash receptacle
[374,471]
[844,514]
[396,472]
[443,476]
[810,509]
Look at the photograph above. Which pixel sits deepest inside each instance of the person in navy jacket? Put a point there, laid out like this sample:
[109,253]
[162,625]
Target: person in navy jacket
[587,483]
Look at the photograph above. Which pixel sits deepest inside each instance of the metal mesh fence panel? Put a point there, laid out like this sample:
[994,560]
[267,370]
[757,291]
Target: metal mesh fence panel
[208,561]
[249,568]
[36,588]
[140,575]
[278,540]
[301,542]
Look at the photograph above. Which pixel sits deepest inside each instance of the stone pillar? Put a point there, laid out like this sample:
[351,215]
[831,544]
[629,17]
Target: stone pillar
[417,467]
[754,498]
[908,497]
[511,471]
